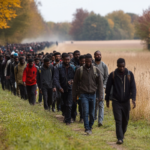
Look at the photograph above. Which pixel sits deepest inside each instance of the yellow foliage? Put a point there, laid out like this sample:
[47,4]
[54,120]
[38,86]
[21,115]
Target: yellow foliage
[7,11]
[111,23]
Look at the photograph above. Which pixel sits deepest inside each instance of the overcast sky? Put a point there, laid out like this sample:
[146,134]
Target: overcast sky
[62,10]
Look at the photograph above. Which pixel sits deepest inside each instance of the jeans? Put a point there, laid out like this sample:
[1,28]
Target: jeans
[80,109]
[23,91]
[31,91]
[121,114]
[88,105]
[67,105]
[100,108]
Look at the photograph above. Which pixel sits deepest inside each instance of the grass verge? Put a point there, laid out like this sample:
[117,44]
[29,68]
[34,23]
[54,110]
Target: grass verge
[25,127]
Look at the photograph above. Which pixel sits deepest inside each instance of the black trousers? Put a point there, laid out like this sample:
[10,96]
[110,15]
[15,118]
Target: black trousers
[121,114]
[47,97]
[31,91]
[23,91]
[80,109]
[3,82]
[67,105]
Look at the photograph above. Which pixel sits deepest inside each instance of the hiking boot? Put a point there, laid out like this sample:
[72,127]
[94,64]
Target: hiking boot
[100,124]
[81,121]
[53,109]
[89,132]
[72,120]
[119,142]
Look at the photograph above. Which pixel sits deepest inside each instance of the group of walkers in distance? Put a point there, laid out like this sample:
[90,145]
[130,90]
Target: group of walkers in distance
[70,82]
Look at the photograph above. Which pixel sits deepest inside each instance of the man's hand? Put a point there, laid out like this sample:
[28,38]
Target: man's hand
[134,103]
[7,77]
[107,104]
[70,82]
[24,83]
[54,89]
[61,90]
[100,99]
[40,91]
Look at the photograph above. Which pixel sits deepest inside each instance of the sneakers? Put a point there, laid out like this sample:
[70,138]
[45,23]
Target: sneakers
[100,124]
[81,121]
[89,132]
[119,142]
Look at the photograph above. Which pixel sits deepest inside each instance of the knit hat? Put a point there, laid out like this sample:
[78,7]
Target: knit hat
[15,54]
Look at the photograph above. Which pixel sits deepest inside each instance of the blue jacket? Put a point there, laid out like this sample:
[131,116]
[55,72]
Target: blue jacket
[62,76]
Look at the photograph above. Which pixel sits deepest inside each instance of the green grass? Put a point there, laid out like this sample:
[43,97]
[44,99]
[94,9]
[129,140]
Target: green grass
[25,127]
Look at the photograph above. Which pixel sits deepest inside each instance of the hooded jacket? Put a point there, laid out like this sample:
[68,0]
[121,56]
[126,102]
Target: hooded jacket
[123,89]
[30,75]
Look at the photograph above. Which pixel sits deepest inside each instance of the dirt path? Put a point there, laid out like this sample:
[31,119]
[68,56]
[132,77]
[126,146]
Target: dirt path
[81,131]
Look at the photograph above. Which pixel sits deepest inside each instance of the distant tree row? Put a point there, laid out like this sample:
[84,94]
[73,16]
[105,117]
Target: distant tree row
[90,26]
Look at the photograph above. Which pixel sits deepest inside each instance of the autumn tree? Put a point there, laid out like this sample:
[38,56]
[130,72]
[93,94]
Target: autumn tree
[7,11]
[95,27]
[122,24]
[142,27]
[79,16]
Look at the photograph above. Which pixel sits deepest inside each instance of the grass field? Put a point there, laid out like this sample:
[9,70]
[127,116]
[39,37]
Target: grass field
[25,127]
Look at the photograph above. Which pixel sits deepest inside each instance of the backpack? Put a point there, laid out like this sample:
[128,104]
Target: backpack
[111,91]
[94,69]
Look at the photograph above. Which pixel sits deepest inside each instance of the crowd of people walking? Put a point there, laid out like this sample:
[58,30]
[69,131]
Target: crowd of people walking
[69,82]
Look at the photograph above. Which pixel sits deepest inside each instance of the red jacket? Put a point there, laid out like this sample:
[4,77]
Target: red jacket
[30,75]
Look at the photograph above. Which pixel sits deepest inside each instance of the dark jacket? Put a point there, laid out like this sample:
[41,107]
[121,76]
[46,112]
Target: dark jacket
[45,77]
[75,62]
[123,88]
[62,76]
[12,74]
[1,68]
[89,83]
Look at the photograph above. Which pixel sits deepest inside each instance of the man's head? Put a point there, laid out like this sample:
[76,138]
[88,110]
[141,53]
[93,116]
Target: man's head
[71,55]
[54,52]
[121,65]
[66,60]
[46,62]
[30,62]
[76,54]
[97,56]
[40,56]
[57,56]
[16,59]
[37,61]
[22,60]
[82,60]
[88,60]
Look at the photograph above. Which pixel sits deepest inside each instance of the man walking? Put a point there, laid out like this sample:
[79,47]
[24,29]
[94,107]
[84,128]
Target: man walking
[29,80]
[63,79]
[45,83]
[18,71]
[104,73]
[124,89]
[90,80]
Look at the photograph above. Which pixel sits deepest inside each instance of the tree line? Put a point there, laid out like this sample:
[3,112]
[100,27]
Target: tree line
[21,19]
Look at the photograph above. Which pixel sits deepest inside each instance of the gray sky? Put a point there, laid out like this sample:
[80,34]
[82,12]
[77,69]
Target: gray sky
[62,10]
